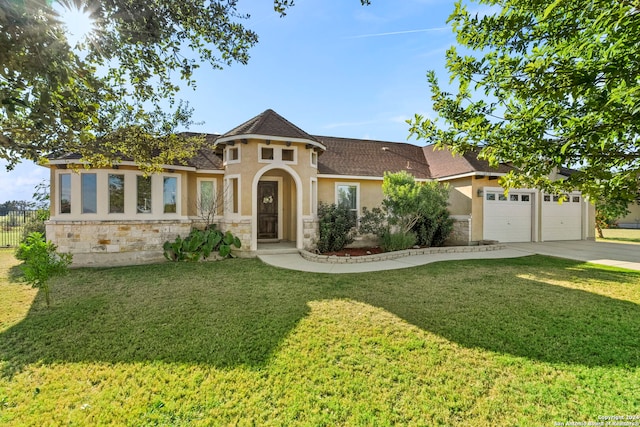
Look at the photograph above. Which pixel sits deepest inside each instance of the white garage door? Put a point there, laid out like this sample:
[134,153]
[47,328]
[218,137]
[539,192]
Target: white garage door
[507,218]
[561,221]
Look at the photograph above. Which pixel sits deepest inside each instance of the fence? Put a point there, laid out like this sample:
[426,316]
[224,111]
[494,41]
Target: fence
[12,226]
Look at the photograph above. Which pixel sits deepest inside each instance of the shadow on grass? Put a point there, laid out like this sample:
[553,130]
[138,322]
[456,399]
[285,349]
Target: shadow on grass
[238,312]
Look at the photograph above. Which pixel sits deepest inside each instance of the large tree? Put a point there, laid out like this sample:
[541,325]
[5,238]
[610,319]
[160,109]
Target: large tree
[114,95]
[544,85]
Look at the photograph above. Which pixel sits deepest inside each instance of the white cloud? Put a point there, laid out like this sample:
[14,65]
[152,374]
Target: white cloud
[20,183]
[393,33]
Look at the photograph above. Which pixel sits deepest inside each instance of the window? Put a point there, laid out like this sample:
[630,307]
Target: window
[143,185]
[347,196]
[547,198]
[314,196]
[491,196]
[207,201]
[169,194]
[556,198]
[288,155]
[513,197]
[88,193]
[266,153]
[502,197]
[576,199]
[524,198]
[232,195]
[65,193]
[116,193]
[231,155]
[314,159]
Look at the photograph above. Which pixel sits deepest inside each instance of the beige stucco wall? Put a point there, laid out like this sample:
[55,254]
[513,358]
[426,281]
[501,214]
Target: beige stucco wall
[632,219]
[370,191]
[250,165]
[460,196]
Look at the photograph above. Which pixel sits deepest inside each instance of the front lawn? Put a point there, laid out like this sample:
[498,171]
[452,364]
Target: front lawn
[620,235]
[528,341]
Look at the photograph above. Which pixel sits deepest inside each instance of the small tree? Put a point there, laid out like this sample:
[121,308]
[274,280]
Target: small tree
[41,262]
[208,203]
[411,213]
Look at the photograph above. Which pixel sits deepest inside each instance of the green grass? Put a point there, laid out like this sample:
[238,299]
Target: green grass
[620,235]
[528,341]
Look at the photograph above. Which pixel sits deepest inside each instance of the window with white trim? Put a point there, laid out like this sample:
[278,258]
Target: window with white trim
[143,194]
[207,197]
[88,193]
[314,159]
[170,194]
[231,154]
[314,196]
[232,195]
[116,193]
[347,196]
[65,193]
[289,155]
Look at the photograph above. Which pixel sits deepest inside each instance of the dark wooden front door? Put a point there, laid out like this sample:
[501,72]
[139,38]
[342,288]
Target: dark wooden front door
[267,210]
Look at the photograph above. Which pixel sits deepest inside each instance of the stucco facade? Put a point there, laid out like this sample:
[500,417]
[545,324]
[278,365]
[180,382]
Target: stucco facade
[263,181]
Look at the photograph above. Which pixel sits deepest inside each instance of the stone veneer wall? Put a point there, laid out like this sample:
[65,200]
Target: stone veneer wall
[310,233]
[109,243]
[461,234]
[240,228]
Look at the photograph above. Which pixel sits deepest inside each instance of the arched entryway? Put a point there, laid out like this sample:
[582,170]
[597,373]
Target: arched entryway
[276,206]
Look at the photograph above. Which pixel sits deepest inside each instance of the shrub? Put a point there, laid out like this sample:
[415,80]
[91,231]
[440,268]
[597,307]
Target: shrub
[36,224]
[41,262]
[200,244]
[397,241]
[337,227]
[374,222]
[433,231]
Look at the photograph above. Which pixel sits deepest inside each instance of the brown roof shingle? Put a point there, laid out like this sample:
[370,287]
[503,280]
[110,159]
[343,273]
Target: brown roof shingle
[269,123]
[443,163]
[358,157]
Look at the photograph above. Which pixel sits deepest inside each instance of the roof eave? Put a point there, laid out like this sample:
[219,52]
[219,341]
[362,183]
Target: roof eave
[227,139]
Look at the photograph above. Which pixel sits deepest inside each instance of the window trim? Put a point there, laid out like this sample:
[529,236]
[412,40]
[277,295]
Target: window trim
[124,193]
[82,195]
[227,160]
[199,182]
[59,193]
[229,197]
[349,184]
[137,212]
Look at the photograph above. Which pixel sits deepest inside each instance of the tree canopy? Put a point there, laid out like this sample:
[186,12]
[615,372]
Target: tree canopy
[543,85]
[112,96]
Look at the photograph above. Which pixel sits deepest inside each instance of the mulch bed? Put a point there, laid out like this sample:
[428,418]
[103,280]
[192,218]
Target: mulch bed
[356,251]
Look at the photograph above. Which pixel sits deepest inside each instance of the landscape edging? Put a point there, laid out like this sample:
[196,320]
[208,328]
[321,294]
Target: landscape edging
[386,256]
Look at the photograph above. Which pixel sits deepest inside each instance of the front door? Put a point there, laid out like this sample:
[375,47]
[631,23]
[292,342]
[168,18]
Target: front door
[267,210]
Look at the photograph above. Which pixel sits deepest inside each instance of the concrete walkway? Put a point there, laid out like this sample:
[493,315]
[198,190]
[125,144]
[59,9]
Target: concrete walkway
[613,254]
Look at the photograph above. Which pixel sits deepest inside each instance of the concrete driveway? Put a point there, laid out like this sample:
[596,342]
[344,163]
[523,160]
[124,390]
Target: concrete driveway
[614,254]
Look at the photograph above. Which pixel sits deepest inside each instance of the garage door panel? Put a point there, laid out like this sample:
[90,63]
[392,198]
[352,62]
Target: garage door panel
[507,219]
[561,221]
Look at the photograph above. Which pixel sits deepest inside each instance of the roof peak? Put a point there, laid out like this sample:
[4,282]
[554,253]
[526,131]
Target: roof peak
[269,124]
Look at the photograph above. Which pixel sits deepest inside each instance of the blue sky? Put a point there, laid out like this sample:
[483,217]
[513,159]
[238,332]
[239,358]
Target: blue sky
[332,67]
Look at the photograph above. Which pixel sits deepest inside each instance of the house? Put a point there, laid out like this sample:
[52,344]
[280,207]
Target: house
[263,181]
[632,219]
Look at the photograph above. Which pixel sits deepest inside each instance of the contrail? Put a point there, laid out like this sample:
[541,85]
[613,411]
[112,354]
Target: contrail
[424,30]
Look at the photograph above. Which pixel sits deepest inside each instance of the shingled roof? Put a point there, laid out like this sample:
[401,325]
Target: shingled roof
[268,123]
[343,156]
[443,163]
[357,157]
